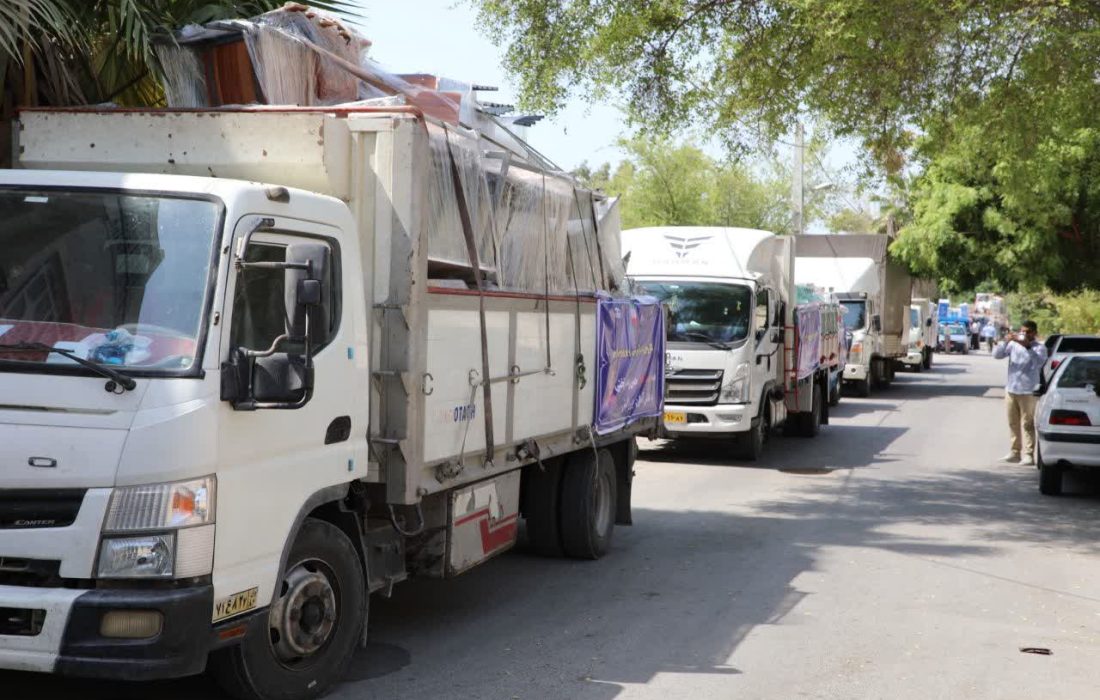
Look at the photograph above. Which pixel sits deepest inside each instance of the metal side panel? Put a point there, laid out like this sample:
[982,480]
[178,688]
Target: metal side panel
[285,148]
[483,522]
[529,399]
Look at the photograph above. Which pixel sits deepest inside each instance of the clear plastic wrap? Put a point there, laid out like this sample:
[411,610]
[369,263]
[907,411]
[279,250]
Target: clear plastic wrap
[184,82]
[535,231]
[446,243]
[289,70]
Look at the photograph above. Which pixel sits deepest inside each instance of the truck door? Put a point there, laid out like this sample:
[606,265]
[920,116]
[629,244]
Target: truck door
[767,336]
[294,421]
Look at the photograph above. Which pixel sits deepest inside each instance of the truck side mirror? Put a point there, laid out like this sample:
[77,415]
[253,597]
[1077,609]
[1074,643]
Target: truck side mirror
[281,376]
[928,322]
[876,323]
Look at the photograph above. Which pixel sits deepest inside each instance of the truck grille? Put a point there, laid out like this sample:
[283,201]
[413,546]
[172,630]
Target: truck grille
[26,509]
[697,387]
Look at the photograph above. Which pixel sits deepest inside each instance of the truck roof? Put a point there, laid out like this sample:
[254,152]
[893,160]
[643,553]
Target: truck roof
[700,251]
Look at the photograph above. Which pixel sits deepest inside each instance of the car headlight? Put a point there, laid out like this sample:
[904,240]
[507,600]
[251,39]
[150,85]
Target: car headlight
[181,514]
[737,391]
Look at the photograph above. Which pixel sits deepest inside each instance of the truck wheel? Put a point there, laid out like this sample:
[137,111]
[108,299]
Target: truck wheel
[1050,479]
[927,361]
[588,492]
[834,395]
[541,497]
[751,444]
[809,424]
[919,366]
[312,628]
[863,387]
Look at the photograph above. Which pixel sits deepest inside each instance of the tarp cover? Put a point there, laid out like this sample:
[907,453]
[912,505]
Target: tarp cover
[809,339]
[630,378]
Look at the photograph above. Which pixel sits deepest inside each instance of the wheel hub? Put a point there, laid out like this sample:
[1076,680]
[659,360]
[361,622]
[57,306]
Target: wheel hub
[304,617]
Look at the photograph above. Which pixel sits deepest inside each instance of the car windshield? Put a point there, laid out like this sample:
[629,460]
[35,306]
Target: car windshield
[1086,344]
[1080,372]
[855,313]
[702,310]
[956,330]
[118,279]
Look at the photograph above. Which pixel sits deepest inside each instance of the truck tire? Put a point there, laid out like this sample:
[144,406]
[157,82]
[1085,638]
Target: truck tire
[588,492]
[750,446]
[927,361]
[809,424]
[878,373]
[541,499]
[312,629]
[863,387]
[834,395]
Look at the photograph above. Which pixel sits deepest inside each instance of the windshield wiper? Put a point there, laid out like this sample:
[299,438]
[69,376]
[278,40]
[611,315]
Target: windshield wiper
[121,379]
[713,342]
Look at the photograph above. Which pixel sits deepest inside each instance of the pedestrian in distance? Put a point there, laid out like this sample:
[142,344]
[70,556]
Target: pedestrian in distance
[989,332]
[975,328]
[1026,356]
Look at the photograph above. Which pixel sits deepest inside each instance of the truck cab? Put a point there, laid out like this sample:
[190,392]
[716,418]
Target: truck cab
[114,465]
[726,291]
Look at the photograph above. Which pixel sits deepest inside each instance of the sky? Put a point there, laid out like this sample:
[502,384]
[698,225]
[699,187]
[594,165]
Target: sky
[442,37]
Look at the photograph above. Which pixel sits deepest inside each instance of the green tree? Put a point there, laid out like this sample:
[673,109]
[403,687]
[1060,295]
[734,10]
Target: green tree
[993,101]
[665,183]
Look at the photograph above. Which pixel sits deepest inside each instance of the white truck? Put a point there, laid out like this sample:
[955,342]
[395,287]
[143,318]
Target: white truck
[875,293]
[741,358]
[922,335]
[259,363]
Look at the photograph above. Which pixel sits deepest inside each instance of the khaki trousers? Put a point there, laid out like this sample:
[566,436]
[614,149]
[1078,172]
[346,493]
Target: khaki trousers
[1021,416]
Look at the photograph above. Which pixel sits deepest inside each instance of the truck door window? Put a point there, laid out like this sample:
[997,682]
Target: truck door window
[761,316]
[259,309]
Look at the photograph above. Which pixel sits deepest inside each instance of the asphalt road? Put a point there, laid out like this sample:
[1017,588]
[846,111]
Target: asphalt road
[890,557]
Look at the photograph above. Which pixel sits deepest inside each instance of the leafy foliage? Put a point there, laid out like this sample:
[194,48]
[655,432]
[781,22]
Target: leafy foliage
[1054,313]
[991,102]
[664,183]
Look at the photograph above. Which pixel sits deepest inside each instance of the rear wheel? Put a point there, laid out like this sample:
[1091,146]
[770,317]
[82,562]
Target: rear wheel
[809,424]
[1050,479]
[863,387]
[926,361]
[588,502]
[834,395]
[541,501]
[312,626]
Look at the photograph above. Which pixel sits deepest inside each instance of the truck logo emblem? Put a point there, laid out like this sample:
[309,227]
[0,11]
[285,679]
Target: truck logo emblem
[682,245]
[44,462]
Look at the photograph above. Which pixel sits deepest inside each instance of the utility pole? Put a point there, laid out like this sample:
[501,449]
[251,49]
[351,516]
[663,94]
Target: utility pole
[798,201]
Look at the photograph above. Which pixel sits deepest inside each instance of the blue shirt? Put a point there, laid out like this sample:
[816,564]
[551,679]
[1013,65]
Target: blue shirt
[1024,365]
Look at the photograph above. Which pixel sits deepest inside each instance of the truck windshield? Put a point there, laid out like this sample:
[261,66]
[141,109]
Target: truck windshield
[914,318]
[702,311]
[855,314]
[119,279]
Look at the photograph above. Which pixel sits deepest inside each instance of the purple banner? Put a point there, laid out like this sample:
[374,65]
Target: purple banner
[630,377]
[808,325]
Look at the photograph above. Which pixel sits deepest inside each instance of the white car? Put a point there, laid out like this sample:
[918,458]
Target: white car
[1067,420]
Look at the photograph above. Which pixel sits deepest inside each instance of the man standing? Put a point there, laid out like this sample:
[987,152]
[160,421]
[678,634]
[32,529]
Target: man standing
[1025,361]
[989,331]
[975,327]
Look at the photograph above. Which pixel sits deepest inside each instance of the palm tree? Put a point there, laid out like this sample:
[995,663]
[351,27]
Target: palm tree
[77,52]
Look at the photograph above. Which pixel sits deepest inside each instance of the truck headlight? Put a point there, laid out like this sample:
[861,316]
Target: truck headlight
[181,513]
[737,391]
[855,351]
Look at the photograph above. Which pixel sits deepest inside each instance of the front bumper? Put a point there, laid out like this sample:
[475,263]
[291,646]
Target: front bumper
[1076,449]
[69,641]
[914,357]
[855,372]
[708,421]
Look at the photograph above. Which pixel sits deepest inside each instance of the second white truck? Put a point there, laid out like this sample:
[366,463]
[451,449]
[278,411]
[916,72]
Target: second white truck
[742,358]
[875,293]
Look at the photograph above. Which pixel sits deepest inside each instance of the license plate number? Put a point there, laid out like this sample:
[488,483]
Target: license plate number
[676,417]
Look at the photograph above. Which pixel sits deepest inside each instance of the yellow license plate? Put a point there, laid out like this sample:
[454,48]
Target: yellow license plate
[676,417]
